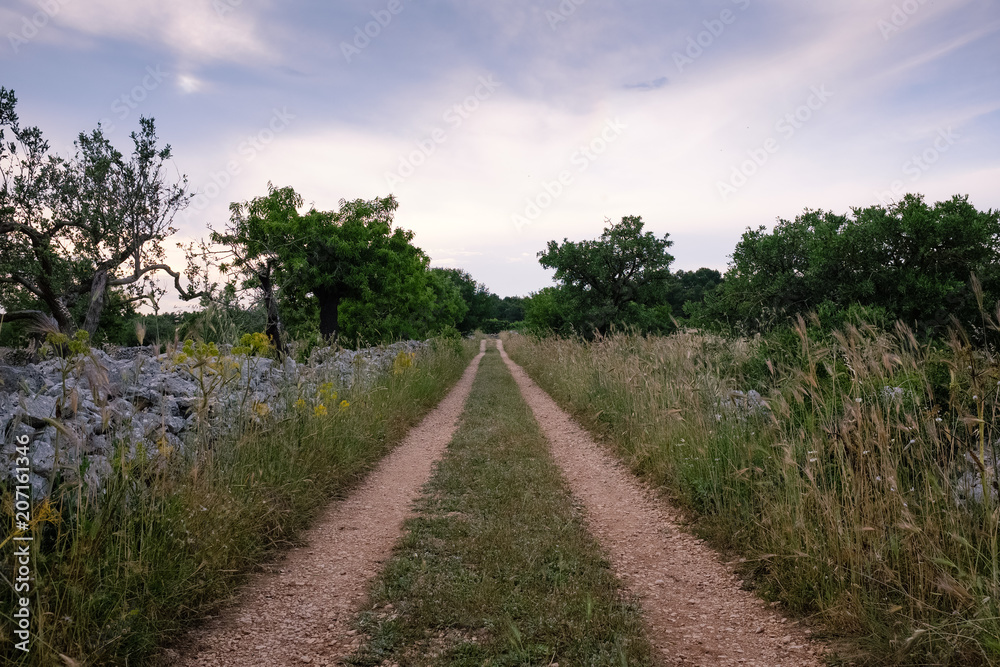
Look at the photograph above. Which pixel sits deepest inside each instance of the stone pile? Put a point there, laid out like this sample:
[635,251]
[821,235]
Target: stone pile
[743,404]
[77,413]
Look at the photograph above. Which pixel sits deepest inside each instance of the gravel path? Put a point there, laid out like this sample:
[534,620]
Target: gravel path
[301,610]
[695,610]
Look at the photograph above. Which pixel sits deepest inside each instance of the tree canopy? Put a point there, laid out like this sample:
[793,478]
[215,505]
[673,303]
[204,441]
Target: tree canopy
[355,255]
[484,311]
[910,261]
[256,237]
[73,230]
[623,277]
[348,272]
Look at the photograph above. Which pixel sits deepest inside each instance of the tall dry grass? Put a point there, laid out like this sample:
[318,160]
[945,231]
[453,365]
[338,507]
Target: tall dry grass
[852,488]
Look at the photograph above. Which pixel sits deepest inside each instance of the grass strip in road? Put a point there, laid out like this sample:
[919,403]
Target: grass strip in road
[497,568]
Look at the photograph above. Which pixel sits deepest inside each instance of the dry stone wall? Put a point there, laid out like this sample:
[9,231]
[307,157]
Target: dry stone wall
[78,413]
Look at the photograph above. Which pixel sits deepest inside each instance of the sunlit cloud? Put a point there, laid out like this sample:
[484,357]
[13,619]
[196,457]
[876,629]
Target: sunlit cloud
[193,30]
[188,83]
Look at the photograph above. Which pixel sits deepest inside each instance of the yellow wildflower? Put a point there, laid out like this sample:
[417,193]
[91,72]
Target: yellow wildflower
[319,410]
[403,361]
[255,344]
[43,513]
[164,447]
[326,394]
[344,405]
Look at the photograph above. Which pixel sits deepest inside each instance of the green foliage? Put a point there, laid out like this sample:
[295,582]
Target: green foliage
[254,345]
[408,302]
[475,296]
[117,324]
[493,326]
[450,341]
[345,274]
[908,261]
[257,232]
[511,309]
[449,332]
[549,310]
[222,320]
[158,328]
[199,353]
[690,287]
[257,229]
[620,278]
[448,308]
[847,487]
[354,257]
[64,345]
[484,311]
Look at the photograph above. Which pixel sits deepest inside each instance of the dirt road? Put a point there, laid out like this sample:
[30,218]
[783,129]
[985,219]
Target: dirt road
[696,612]
[300,612]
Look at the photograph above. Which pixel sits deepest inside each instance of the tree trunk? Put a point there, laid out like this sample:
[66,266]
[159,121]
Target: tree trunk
[57,307]
[273,327]
[329,302]
[98,298]
[63,317]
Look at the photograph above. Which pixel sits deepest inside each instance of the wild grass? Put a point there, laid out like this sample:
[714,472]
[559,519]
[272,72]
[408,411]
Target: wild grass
[120,573]
[498,568]
[852,489]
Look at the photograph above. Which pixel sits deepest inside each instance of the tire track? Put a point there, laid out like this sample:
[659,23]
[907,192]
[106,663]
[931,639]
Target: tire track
[695,611]
[300,612]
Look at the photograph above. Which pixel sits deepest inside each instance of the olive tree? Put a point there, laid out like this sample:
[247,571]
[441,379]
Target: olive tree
[71,230]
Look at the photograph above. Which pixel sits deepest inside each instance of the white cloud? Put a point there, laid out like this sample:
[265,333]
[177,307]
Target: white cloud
[192,29]
[189,84]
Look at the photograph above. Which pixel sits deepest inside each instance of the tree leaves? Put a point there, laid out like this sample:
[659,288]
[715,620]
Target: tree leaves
[910,260]
[620,278]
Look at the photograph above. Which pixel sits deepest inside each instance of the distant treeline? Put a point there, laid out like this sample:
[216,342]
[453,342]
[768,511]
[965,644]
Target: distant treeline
[928,266]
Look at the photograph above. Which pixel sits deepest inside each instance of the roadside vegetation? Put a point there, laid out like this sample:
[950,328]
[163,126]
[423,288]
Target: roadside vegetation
[121,568]
[498,567]
[912,261]
[122,563]
[83,239]
[858,485]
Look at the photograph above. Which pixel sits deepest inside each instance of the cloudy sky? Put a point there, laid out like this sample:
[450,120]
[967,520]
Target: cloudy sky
[502,125]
